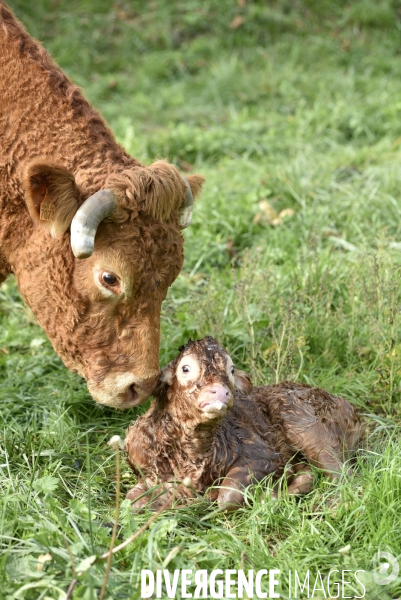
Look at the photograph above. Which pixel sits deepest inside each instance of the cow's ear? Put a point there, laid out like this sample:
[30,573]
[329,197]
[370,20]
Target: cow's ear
[243,382]
[51,195]
[195,183]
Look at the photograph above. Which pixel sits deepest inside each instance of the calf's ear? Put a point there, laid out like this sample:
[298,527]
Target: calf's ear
[243,382]
[167,374]
[51,195]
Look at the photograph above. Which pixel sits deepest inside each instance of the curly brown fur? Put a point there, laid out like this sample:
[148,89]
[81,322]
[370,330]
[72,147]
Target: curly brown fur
[190,430]
[56,148]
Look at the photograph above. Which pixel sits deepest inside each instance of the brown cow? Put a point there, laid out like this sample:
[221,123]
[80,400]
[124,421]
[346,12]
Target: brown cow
[208,423]
[69,192]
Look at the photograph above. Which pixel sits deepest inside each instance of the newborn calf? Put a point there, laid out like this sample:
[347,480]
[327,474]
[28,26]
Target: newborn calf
[207,422]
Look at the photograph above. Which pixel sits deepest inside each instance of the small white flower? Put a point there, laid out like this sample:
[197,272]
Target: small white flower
[116,442]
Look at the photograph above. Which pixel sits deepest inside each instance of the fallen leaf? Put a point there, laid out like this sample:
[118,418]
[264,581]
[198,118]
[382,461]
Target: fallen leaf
[42,559]
[4,350]
[286,212]
[269,215]
[236,22]
[267,209]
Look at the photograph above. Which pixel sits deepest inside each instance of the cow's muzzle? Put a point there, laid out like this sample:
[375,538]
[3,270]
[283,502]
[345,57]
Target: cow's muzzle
[123,391]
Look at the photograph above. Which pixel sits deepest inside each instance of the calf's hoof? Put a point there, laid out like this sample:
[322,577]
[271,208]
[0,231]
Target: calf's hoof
[230,500]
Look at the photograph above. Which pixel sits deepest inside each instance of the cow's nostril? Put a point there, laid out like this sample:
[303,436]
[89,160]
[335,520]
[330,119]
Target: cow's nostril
[132,393]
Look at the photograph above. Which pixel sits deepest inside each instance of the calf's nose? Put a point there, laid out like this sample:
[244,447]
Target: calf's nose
[220,392]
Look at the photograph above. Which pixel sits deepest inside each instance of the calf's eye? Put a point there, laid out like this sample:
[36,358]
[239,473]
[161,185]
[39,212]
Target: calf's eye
[232,370]
[186,369]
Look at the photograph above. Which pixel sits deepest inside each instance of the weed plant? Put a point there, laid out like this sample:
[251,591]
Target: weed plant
[281,105]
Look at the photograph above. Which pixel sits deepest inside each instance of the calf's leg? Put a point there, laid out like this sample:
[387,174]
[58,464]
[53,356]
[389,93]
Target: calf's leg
[134,494]
[302,482]
[157,496]
[231,493]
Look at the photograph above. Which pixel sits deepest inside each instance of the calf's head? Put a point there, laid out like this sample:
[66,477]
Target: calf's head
[97,267]
[198,386]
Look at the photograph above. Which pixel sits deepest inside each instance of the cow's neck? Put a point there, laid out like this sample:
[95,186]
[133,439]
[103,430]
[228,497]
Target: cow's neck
[43,114]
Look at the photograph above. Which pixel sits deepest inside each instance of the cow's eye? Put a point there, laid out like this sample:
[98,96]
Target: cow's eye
[232,370]
[109,284]
[186,369]
[108,278]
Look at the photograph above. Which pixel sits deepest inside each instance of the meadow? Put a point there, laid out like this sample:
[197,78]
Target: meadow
[292,112]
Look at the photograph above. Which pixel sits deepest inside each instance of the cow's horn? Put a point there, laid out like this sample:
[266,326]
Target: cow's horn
[86,221]
[185,212]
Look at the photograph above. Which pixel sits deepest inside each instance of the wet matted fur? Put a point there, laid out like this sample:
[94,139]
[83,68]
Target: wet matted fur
[270,430]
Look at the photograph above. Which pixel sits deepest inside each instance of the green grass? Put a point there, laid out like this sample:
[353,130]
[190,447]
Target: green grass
[300,106]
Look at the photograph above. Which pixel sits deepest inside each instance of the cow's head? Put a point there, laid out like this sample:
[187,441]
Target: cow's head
[96,284]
